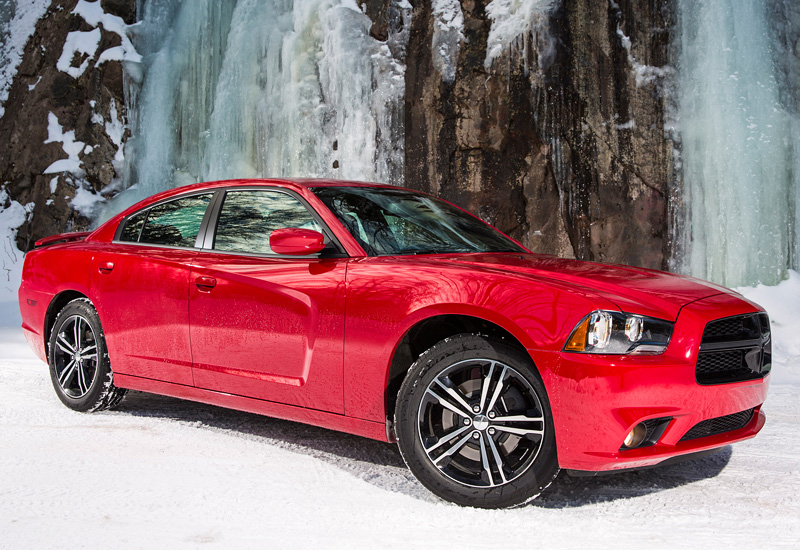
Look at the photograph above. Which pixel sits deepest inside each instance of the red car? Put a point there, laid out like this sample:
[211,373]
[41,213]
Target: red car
[393,315]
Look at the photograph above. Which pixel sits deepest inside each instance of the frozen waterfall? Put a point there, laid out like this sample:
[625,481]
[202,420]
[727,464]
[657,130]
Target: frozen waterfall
[259,88]
[740,144]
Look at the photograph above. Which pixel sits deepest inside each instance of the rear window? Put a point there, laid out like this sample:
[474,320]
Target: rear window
[173,223]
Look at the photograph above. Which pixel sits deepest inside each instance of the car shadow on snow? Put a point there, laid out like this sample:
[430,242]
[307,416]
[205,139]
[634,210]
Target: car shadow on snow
[373,461]
[381,465]
[568,491]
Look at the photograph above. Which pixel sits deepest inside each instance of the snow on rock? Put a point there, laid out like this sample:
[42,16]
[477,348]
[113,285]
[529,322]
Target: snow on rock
[86,202]
[513,23]
[644,74]
[14,34]
[56,134]
[93,14]
[82,45]
[448,34]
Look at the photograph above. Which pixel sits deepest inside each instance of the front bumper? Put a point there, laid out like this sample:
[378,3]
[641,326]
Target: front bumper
[596,400]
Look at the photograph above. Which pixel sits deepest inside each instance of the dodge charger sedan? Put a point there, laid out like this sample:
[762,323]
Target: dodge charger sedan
[393,315]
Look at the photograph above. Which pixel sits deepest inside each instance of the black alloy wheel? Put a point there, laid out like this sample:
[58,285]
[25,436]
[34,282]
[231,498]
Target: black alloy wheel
[79,366]
[474,423]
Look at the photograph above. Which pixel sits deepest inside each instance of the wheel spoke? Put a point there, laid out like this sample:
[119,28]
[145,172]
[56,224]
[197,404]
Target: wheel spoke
[497,460]
[452,435]
[454,449]
[90,356]
[454,394]
[486,381]
[82,380]
[515,418]
[66,374]
[76,332]
[447,405]
[518,431]
[498,389]
[485,459]
[88,349]
[65,346]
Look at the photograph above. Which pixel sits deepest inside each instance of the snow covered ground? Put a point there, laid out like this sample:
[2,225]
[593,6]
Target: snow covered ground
[159,472]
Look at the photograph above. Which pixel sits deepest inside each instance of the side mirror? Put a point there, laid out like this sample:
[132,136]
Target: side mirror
[296,242]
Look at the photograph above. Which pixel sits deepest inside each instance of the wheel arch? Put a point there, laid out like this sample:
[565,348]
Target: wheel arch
[425,333]
[56,305]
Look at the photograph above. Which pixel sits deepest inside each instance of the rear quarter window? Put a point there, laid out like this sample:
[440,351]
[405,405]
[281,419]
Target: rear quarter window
[173,223]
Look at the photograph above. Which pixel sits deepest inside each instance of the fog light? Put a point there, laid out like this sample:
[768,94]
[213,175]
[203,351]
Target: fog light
[635,437]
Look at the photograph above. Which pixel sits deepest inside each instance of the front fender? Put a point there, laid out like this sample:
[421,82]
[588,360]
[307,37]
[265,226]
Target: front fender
[387,297]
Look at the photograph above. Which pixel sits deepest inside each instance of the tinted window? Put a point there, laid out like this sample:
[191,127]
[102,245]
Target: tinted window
[174,223]
[133,226]
[389,222]
[248,217]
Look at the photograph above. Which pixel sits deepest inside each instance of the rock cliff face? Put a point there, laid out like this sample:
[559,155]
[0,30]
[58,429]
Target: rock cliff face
[558,139]
[74,115]
[564,151]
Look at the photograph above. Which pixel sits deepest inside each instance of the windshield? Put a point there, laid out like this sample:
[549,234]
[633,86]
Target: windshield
[392,222]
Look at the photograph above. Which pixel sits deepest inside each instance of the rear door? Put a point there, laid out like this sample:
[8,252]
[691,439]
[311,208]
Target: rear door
[264,325]
[140,286]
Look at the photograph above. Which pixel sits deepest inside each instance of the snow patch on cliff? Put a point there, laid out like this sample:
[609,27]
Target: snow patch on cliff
[56,134]
[86,202]
[93,14]
[644,74]
[17,23]
[448,34]
[82,45]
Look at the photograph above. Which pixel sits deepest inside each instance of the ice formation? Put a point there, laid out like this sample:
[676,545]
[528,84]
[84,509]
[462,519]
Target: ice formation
[740,152]
[258,88]
[520,25]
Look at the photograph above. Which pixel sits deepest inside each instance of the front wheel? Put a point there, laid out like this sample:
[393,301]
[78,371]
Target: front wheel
[78,359]
[474,424]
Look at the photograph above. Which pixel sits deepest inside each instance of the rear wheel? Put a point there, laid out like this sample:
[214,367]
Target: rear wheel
[474,424]
[78,359]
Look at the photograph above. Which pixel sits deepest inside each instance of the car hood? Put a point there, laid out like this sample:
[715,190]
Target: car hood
[632,289]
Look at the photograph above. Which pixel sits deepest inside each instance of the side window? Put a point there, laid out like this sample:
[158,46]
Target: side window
[248,217]
[175,223]
[133,227]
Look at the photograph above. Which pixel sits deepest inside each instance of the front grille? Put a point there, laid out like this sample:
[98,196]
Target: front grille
[719,425]
[723,366]
[735,349]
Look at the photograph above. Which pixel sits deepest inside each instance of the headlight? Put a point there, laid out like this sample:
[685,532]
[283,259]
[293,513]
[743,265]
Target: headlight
[615,333]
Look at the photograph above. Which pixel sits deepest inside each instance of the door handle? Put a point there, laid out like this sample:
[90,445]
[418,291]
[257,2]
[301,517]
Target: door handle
[105,267]
[205,283]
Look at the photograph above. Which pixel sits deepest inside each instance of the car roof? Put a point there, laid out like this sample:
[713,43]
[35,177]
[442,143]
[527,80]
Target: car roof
[298,184]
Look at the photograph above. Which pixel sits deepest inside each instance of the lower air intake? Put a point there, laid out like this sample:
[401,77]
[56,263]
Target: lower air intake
[719,425]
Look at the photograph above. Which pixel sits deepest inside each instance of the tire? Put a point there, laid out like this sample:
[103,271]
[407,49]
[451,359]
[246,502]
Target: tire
[467,440]
[78,359]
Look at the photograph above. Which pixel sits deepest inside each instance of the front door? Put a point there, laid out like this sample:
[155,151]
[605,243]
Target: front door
[262,325]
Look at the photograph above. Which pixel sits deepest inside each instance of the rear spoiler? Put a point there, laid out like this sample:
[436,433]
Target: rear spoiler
[62,237]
